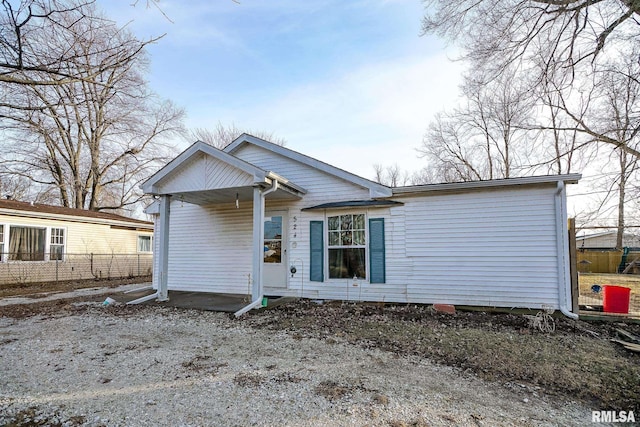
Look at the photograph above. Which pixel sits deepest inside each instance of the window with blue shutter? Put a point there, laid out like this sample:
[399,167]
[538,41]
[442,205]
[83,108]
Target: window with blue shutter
[346,246]
[377,271]
[317,251]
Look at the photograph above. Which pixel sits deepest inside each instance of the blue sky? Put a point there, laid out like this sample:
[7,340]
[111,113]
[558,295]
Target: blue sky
[348,82]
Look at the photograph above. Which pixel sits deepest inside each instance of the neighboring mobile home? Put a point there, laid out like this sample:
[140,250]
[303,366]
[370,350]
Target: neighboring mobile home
[257,218]
[38,242]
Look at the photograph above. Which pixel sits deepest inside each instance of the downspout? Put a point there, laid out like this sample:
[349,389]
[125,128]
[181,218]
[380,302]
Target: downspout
[160,269]
[258,301]
[562,246]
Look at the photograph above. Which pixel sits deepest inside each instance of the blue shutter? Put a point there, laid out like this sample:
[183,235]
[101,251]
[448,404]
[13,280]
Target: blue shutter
[317,251]
[377,269]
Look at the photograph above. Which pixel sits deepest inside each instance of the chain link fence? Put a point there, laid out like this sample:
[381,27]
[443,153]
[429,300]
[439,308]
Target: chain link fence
[592,290]
[73,267]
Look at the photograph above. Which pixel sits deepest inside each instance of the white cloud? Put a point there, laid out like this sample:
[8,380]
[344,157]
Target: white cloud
[375,114]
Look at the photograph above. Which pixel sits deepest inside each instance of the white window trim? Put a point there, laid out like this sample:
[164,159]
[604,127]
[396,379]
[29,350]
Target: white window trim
[47,254]
[150,243]
[328,278]
[47,242]
[5,242]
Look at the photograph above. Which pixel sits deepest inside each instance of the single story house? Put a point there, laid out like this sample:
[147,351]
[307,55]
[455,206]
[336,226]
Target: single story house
[33,237]
[258,218]
[606,240]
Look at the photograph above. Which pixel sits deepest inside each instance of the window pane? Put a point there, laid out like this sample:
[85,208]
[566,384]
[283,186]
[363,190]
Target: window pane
[347,263]
[334,238]
[334,223]
[55,252]
[273,228]
[345,238]
[358,238]
[358,222]
[273,251]
[144,243]
[1,233]
[26,244]
[345,222]
[57,236]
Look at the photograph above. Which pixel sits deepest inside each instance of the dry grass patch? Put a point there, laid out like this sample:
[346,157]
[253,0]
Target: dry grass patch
[332,390]
[586,280]
[576,361]
[245,379]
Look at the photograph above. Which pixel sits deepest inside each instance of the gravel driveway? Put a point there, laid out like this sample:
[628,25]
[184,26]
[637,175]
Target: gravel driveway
[154,366]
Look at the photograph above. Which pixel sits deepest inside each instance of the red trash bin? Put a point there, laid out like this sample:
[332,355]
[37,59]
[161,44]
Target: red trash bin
[615,299]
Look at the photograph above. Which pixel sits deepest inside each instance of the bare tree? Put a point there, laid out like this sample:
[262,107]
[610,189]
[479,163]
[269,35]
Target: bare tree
[37,37]
[604,111]
[449,151]
[223,135]
[617,117]
[499,33]
[569,40]
[391,176]
[487,137]
[96,137]
[378,170]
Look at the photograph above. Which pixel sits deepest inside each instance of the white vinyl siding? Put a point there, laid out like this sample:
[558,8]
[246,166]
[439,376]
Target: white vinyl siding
[321,187]
[210,248]
[495,248]
[205,172]
[483,246]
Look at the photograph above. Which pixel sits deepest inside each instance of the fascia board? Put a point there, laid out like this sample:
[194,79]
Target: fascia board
[495,183]
[71,218]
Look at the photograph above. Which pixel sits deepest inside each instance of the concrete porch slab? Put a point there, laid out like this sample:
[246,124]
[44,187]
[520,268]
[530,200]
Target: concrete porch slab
[228,303]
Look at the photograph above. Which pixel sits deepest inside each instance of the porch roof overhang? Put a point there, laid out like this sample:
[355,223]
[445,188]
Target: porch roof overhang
[203,174]
[355,204]
[231,194]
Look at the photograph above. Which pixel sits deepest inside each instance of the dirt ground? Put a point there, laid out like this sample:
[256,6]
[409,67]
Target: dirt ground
[36,290]
[91,365]
[578,361]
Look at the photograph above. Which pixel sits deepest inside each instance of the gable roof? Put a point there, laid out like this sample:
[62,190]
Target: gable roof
[14,207]
[150,185]
[376,189]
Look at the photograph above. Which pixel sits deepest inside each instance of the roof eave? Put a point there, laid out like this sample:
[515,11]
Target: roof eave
[75,218]
[495,183]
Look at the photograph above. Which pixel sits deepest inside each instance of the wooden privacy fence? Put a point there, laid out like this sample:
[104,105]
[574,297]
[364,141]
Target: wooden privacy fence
[603,261]
[76,267]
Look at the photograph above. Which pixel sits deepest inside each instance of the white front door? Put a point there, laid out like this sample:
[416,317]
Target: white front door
[274,273]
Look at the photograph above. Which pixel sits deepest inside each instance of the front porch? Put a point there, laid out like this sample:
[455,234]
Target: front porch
[209,178]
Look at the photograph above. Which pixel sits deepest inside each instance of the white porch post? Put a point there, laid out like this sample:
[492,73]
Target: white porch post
[163,255]
[258,243]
